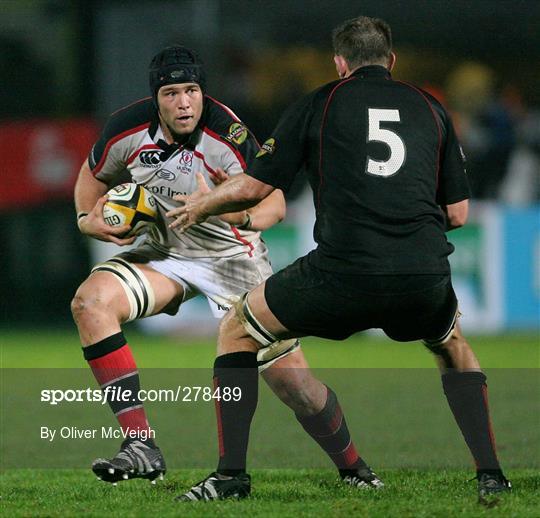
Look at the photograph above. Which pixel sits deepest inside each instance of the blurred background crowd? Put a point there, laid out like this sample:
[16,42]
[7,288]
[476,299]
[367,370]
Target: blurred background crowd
[67,64]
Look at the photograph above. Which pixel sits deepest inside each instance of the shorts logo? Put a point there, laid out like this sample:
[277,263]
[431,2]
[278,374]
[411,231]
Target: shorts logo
[237,133]
[166,175]
[267,148]
[150,158]
[185,161]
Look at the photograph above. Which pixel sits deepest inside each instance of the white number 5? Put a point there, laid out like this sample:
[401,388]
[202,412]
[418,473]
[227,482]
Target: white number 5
[389,137]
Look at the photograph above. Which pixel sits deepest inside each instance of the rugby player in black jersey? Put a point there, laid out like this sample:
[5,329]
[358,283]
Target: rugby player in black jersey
[388,181]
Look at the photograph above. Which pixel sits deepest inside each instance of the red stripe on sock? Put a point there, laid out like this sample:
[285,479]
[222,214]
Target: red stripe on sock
[113,365]
[346,459]
[335,423]
[219,424]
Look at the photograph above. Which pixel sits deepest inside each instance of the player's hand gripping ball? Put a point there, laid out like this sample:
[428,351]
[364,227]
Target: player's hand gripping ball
[130,204]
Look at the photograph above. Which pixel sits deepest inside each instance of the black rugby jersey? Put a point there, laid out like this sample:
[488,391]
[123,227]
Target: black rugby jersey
[381,157]
[132,148]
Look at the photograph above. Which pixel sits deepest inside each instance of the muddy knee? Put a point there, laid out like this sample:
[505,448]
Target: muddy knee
[89,302]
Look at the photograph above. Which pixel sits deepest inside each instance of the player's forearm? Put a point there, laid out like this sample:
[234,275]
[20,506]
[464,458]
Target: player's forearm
[268,212]
[239,193]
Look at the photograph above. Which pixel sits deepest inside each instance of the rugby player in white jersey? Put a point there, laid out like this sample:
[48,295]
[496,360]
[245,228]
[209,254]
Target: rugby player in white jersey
[162,142]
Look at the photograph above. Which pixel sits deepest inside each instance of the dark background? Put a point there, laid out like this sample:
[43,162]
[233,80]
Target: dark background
[78,60]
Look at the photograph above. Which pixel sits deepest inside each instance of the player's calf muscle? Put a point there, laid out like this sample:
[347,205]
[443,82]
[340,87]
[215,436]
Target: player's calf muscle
[296,387]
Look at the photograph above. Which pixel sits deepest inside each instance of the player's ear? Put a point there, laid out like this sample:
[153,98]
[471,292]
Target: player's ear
[341,66]
[391,61]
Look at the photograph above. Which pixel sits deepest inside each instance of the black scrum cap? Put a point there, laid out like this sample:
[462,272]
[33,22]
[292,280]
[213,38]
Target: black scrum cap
[173,65]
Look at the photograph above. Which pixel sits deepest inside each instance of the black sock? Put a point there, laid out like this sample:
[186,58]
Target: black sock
[234,417]
[466,393]
[329,429]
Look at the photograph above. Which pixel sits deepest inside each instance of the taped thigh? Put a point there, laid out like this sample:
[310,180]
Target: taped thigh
[267,356]
[252,326]
[138,289]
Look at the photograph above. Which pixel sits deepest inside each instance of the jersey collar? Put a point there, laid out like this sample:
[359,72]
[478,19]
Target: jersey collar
[159,138]
[372,71]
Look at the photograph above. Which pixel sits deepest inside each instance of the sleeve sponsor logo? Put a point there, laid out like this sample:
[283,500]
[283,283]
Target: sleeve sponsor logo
[237,133]
[267,148]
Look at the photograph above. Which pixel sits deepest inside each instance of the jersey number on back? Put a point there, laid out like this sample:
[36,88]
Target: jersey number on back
[390,138]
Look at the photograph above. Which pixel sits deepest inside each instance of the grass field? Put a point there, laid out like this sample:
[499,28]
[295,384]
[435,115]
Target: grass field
[390,393]
[283,493]
[57,348]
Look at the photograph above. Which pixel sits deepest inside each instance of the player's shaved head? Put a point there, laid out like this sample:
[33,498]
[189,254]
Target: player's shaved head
[363,41]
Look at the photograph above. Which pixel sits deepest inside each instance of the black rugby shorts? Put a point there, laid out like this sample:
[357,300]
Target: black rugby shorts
[314,302]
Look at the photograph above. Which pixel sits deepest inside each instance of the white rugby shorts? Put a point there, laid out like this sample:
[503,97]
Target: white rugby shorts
[221,280]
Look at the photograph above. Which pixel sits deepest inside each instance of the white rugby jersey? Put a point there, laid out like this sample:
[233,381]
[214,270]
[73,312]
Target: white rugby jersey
[132,148]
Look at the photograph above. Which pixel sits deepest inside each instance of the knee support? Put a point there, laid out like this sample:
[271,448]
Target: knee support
[267,356]
[138,290]
[252,326]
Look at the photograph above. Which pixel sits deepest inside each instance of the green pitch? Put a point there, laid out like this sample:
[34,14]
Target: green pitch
[51,349]
[279,493]
[390,393]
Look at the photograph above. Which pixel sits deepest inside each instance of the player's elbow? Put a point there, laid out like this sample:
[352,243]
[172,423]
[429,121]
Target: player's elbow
[280,208]
[280,215]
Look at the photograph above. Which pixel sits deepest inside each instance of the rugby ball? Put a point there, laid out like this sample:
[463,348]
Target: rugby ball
[130,204]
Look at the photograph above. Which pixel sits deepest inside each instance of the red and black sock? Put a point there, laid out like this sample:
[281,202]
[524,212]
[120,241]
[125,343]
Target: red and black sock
[466,393]
[234,417]
[329,429]
[116,372]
